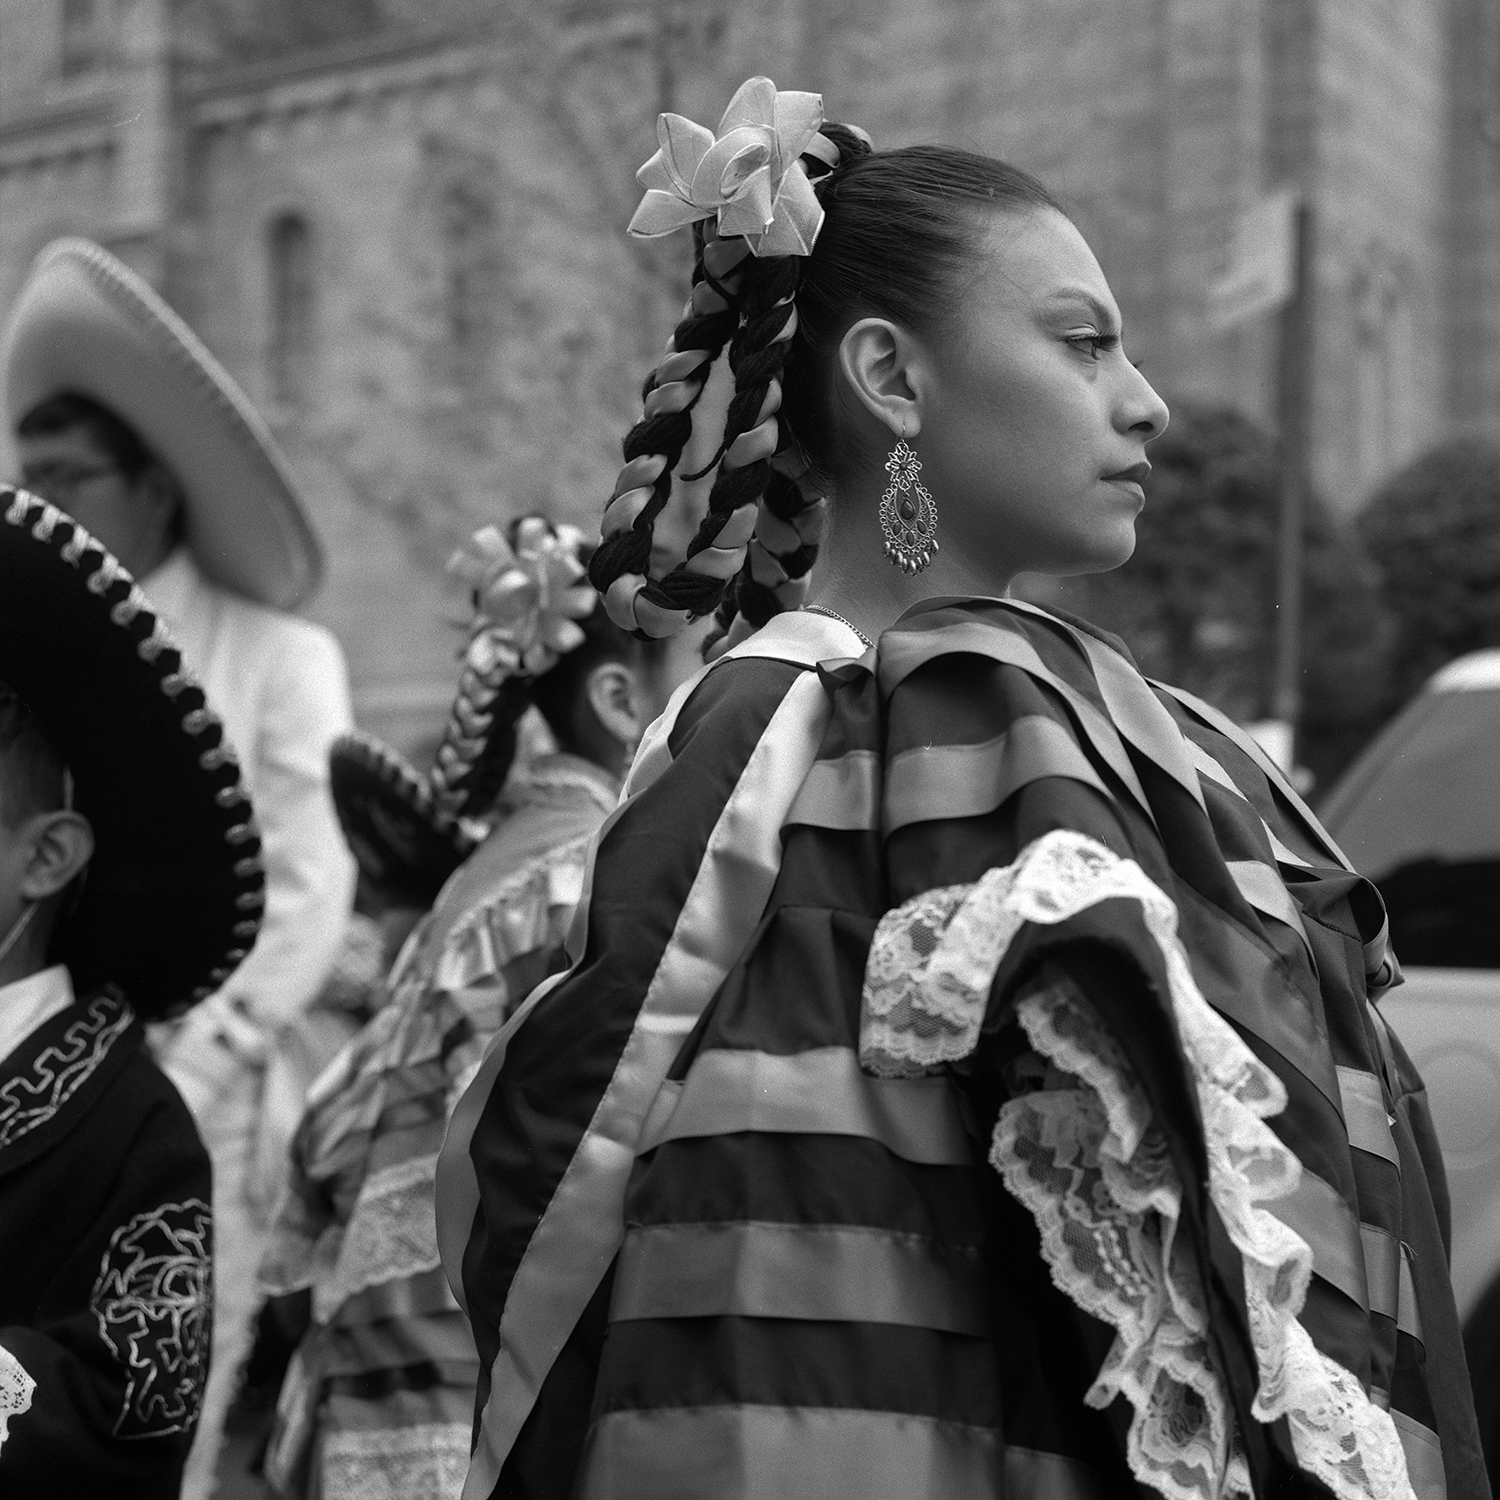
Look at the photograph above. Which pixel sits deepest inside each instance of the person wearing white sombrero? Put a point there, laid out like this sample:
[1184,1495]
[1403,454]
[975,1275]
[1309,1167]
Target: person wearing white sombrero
[126,421]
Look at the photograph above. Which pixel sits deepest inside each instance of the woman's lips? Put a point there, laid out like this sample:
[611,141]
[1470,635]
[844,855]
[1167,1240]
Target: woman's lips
[1132,479]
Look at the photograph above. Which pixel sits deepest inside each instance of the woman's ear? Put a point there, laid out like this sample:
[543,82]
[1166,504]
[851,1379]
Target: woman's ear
[616,701]
[62,844]
[886,370]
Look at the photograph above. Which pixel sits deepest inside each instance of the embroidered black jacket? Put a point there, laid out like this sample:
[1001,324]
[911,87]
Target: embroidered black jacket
[105,1253]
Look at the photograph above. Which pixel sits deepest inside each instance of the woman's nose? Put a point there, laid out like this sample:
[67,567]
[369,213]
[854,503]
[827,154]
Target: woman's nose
[1142,411]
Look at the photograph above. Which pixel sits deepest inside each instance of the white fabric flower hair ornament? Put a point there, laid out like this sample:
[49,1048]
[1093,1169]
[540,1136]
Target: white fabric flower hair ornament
[748,176]
[528,597]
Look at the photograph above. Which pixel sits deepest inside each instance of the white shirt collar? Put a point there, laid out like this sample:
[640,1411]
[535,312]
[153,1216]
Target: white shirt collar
[171,584]
[30,1003]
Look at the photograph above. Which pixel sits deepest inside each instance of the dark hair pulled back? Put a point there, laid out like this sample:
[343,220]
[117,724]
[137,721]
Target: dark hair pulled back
[900,228]
[479,742]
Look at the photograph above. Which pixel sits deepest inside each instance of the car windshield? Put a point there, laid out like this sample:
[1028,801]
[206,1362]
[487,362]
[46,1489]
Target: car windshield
[1419,813]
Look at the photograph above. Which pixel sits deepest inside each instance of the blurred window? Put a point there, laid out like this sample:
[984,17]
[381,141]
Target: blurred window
[1422,820]
[467,229]
[87,35]
[289,250]
[1384,367]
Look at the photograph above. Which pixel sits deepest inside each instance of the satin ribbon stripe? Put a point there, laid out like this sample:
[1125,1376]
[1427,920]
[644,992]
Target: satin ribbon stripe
[1320,1216]
[1301,813]
[928,783]
[790,1453]
[1365,1115]
[396,1345]
[1242,981]
[903,653]
[1141,718]
[817,1273]
[1262,888]
[1424,1457]
[415,1295]
[818,1092]
[842,793]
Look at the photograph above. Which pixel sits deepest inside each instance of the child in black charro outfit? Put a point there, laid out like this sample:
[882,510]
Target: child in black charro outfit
[130,886]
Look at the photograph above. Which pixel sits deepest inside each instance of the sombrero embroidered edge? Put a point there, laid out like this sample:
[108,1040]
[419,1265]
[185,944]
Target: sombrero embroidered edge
[386,810]
[85,323]
[173,895]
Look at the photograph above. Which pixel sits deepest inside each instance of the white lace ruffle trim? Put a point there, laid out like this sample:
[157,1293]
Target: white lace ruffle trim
[427,1462]
[16,1388]
[530,909]
[391,1235]
[1082,1154]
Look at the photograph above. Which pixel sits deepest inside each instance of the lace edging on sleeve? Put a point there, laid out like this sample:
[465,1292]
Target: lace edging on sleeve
[926,992]
[16,1388]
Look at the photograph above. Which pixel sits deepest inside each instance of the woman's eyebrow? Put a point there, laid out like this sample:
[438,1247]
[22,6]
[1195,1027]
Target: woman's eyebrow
[1105,317]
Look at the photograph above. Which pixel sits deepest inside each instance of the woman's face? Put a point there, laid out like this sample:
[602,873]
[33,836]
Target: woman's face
[1034,424]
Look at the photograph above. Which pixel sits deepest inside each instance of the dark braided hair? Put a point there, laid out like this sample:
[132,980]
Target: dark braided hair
[479,743]
[654,445]
[899,229]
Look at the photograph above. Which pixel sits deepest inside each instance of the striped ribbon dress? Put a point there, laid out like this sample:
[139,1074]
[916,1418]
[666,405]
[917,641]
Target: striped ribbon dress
[968,1083]
[378,1401]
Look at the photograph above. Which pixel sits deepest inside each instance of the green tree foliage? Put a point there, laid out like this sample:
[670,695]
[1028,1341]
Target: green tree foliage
[1197,603]
[1434,529]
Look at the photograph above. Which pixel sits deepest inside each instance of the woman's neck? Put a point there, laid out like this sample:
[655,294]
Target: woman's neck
[860,583]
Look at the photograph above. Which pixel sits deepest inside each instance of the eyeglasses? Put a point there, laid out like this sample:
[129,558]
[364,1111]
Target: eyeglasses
[60,483]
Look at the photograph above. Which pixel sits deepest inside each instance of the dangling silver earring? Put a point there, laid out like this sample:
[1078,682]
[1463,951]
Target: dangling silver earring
[908,513]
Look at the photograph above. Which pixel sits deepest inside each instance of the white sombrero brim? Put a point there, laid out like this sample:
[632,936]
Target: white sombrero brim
[86,323]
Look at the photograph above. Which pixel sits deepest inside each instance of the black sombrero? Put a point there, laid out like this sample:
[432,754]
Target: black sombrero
[385,807]
[172,898]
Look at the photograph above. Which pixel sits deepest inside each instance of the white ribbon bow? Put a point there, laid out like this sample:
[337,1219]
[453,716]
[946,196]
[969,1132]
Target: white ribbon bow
[748,175]
[528,599]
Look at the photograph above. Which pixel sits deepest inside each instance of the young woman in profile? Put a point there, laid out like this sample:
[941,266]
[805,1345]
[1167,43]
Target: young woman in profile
[967,1083]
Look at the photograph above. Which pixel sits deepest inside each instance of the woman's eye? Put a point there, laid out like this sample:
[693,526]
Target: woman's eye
[1094,344]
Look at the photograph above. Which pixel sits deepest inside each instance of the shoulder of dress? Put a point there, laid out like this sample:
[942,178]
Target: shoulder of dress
[999,630]
[527,910]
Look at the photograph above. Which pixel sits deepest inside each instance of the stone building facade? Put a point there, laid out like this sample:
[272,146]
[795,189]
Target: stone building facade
[400,222]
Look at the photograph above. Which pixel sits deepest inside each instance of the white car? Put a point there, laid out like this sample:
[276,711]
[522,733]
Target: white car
[1419,814]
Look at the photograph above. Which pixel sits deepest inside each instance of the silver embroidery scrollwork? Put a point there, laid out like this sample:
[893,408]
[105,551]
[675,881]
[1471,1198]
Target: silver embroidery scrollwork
[153,1304]
[30,1099]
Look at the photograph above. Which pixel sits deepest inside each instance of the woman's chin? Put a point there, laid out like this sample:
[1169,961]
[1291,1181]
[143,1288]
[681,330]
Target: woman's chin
[1108,548]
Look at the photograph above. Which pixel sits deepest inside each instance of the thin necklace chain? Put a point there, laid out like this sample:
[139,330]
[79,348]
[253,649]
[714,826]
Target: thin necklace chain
[833,614]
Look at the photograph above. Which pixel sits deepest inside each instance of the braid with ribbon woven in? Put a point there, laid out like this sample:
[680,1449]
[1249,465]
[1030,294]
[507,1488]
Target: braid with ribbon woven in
[756,179]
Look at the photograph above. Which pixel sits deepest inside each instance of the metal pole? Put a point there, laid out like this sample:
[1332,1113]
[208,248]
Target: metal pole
[1293,411]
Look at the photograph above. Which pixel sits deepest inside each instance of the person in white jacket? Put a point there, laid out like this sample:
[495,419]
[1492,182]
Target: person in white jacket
[124,420]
